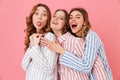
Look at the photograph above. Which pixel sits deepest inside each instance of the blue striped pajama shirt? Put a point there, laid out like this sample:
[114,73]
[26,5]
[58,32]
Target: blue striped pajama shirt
[94,47]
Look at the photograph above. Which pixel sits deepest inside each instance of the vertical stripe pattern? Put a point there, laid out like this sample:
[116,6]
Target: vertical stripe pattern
[40,63]
[93,61]
[76,46]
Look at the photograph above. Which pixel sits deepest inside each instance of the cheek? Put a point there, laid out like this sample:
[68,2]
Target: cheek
[80,25]
[45,19]
[69,23]
[33,21]
[62,23]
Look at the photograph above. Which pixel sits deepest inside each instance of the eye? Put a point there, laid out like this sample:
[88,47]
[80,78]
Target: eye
[61,18]
[36,13]
[70,17]
[44,14]
[78,17]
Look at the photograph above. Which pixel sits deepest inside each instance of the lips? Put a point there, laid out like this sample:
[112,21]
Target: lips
[38,24]
[54,22]
[73,25]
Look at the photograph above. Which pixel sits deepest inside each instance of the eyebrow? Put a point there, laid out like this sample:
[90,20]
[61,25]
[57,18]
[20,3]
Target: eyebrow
[59,16]
[77,15]
[62,16]
[43,10]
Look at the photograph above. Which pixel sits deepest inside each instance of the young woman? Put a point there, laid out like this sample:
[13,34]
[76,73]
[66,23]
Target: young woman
[60,27]
[39,62]
[93,61]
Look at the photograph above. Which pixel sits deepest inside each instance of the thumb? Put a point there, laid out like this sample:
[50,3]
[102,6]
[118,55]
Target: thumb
[56,42]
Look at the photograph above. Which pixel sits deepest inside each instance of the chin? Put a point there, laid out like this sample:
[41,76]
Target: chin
[73,31]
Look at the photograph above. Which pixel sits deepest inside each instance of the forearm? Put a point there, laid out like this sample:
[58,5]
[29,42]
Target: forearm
[70,60]
[39,57]
[26,60]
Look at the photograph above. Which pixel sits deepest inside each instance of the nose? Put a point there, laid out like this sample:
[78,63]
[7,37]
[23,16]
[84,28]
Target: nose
[55,18]
[39,16]
[73,19]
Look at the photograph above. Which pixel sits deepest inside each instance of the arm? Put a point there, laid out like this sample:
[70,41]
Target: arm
[26,60]
[37,56]
[85,63]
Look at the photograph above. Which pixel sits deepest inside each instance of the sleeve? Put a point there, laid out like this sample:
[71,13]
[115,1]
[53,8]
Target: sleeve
[45,58]
[85,63]
[26,60]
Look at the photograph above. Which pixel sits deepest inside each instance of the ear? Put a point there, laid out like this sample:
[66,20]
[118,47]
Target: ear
[84,24]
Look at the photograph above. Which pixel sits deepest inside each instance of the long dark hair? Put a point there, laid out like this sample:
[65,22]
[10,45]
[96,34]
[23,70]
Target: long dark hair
[30,27]
[85,28]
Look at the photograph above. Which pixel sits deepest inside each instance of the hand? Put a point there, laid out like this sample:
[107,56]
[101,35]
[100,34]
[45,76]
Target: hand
[35,39]
[55,46]
[43,41]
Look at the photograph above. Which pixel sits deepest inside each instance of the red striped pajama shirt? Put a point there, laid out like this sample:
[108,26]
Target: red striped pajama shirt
[76,46]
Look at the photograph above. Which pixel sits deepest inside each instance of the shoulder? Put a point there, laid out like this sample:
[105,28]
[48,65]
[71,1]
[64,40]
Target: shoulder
[50,36]
[92,34]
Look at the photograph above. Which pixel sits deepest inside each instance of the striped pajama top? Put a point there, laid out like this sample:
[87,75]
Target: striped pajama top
[40,63]
[76,46]
[93,60]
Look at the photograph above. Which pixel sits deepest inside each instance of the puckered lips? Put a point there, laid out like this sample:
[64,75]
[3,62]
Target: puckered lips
[38,23]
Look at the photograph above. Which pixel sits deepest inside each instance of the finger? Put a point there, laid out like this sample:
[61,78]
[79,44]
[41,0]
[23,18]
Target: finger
[43,35]
[42,38]
[37,35]
[49,42]
[42,42]
[56,42]
[50,48]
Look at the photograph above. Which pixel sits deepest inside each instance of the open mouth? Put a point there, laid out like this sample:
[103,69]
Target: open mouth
[74,25]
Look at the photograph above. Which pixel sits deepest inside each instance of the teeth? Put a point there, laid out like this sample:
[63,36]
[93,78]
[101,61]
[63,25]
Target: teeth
[55,23]
[74,25]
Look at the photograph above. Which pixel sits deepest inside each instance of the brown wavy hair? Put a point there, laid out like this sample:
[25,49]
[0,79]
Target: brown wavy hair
[85,28]
[30,27]
[66,27]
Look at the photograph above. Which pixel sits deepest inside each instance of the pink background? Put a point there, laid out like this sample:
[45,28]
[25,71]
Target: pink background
[104,16]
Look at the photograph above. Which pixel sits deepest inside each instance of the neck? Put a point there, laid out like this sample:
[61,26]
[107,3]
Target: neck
[78,34]
[39,31]
[58,33]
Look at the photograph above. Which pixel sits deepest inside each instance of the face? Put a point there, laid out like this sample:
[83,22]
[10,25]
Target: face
[40,18]
[76,22]
[58,21]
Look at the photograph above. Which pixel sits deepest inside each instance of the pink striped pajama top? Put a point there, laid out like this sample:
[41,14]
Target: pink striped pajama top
[76,46]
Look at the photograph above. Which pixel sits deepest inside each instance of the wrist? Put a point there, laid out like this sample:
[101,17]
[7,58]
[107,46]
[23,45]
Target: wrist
[62,51]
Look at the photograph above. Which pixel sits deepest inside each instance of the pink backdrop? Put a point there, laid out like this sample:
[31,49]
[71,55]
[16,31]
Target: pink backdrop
[104,16]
